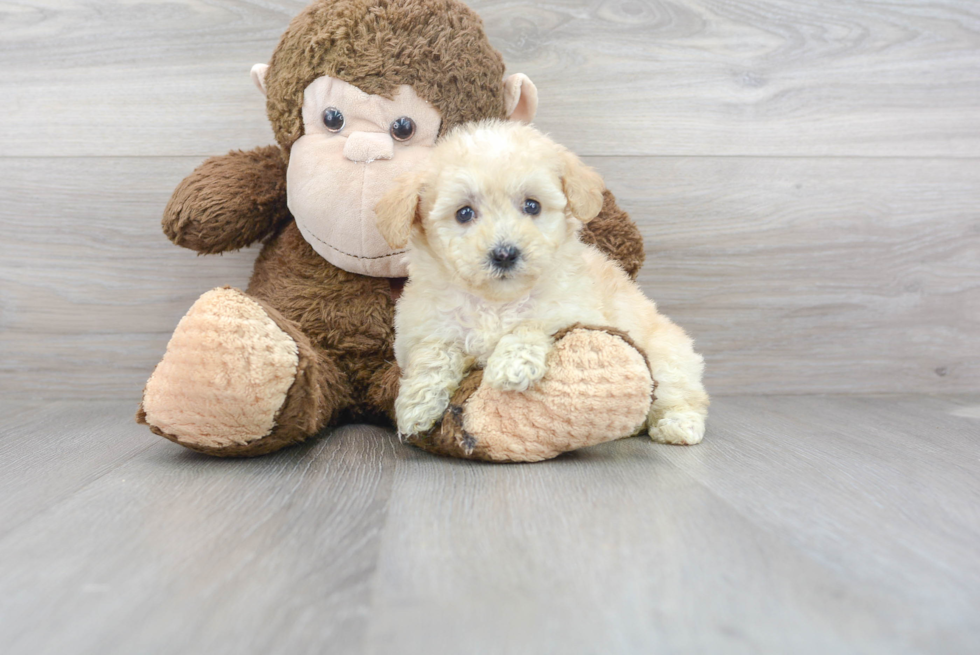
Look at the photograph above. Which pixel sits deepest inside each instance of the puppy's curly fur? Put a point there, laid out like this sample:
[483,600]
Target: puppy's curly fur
[497,267]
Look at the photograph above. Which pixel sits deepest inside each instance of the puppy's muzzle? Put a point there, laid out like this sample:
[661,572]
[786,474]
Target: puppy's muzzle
[504,257]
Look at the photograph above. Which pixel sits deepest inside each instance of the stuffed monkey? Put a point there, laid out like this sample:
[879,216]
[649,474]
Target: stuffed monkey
[357,92]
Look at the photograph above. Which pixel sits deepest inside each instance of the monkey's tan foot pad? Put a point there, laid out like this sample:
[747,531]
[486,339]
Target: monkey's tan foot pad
[598,388]
[224,377]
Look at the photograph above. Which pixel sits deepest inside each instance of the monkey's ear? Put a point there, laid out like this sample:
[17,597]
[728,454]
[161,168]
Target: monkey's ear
[520,98]
[398,210]
[583,187]
[258,76]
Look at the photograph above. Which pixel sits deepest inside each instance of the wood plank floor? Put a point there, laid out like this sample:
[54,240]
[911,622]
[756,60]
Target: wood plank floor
[803,524]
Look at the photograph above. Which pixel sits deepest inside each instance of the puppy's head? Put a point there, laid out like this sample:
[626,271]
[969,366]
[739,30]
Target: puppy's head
[493,207]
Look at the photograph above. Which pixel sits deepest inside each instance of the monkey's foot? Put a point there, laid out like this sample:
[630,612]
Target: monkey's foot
[224,378]
[597,388]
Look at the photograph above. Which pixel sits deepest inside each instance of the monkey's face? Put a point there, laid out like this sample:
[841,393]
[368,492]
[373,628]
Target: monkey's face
[354,145]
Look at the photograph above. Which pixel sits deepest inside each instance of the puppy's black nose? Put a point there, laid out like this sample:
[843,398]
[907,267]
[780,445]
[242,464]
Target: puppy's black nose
[504,256]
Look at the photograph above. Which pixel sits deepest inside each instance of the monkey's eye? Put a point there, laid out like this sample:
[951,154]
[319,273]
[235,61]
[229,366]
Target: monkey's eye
[465,215]
[402,129]
[532,207]
[333,119]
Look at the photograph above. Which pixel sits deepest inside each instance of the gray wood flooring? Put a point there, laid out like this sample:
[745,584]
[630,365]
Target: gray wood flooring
[814,524]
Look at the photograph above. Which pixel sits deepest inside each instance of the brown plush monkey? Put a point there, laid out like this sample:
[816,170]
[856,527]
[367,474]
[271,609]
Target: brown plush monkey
[357,91]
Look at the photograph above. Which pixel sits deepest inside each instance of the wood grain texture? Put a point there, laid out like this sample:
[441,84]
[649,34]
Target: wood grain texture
[177,552]
[46,456]
[777,456]
[807,180]
[793,275]
[801,524]
[804,275]
[801,535]
[91,287]
[827,272]
[638,77]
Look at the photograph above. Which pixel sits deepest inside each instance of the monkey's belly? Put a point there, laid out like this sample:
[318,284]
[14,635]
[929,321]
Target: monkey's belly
[337,309]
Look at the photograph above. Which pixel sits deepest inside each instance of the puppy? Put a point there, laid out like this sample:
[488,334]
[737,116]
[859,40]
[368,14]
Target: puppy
[496,268]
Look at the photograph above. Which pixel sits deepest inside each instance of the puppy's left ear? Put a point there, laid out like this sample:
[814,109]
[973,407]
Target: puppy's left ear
[398,210]
[583,187]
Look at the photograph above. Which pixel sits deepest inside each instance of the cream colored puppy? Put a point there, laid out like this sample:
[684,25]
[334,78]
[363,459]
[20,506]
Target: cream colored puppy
[496,268]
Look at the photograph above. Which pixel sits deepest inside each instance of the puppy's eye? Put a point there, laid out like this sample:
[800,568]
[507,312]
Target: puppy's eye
[402,129]
[333,119]
[465,215]
[532,207]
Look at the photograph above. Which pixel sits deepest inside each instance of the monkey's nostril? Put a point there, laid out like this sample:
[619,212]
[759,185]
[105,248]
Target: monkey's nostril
[505,256]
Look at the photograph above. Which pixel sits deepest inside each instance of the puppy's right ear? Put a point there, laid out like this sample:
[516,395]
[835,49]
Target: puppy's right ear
[398,210]
[582,186]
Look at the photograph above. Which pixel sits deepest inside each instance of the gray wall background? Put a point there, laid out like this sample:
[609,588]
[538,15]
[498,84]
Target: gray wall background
[806,175]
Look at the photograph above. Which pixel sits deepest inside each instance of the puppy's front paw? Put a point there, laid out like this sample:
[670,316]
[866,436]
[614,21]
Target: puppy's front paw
[516,365]
[682,428]
[418,409]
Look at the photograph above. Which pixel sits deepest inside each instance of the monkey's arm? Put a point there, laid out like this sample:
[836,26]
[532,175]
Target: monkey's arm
[229,202]
[614,233]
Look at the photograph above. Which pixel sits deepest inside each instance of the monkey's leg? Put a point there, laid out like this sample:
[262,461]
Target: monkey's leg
[598,388]
[239,379]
